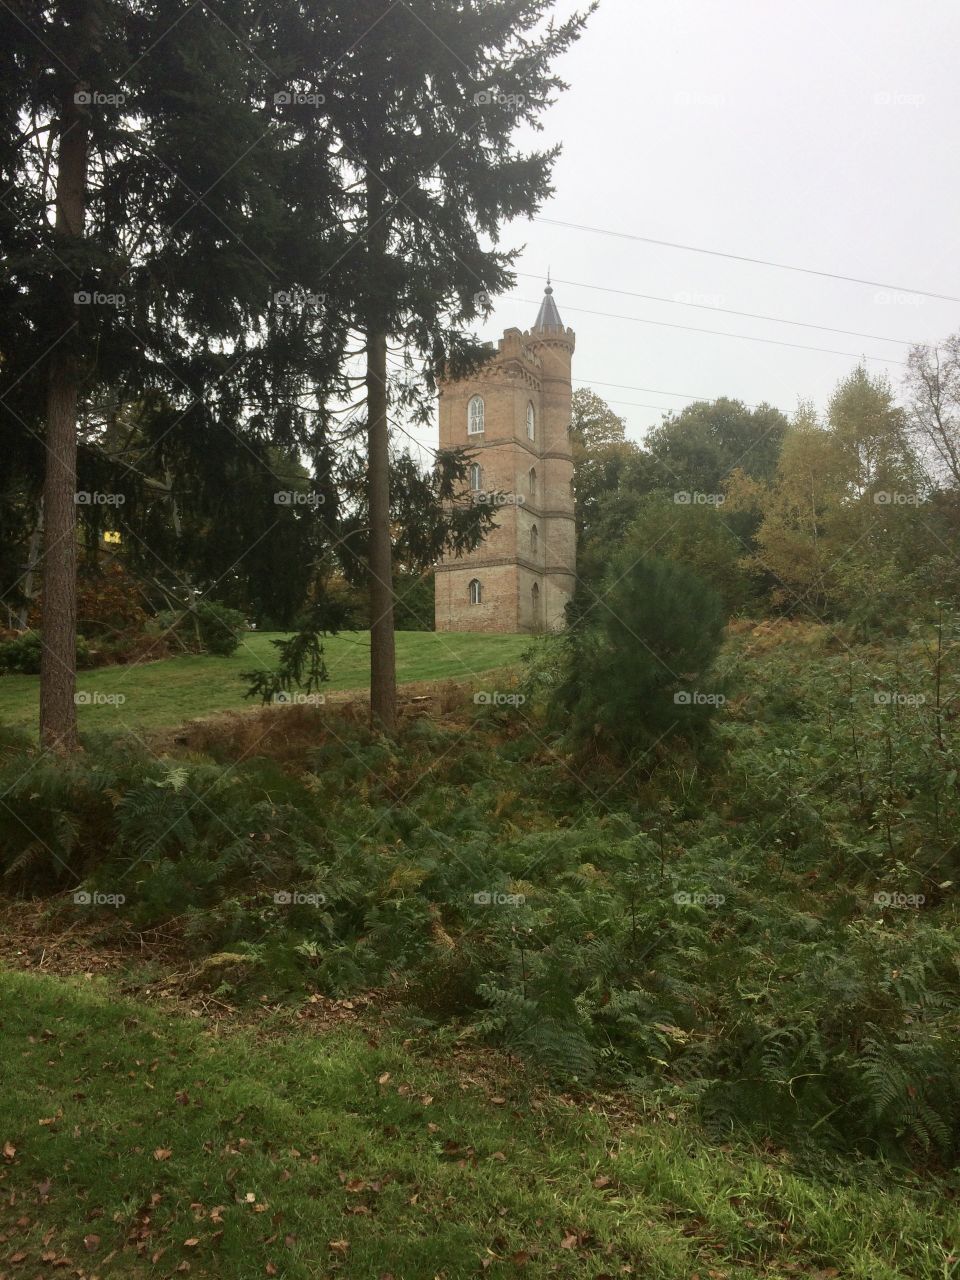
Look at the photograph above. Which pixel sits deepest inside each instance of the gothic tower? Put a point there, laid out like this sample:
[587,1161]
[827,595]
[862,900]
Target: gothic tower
[513,415]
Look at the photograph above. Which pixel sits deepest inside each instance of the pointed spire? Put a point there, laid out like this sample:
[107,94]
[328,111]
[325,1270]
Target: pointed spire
[548,316]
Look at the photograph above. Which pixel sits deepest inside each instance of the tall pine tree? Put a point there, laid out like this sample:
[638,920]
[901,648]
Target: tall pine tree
[169,208]
[425,107]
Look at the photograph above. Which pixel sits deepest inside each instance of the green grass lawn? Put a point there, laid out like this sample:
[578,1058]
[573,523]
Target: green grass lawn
[162,694]
[136,1143]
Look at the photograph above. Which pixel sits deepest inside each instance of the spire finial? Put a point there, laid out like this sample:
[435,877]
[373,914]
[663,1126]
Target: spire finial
[548,318]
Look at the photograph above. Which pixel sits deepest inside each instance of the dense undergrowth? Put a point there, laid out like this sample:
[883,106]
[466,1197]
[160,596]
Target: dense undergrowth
[763,930]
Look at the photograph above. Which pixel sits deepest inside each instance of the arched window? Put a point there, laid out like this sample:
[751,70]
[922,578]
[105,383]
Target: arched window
[476,591]
[532,482]
[476,475]
[535,602]
[475,416]
[531,421]
[534,540]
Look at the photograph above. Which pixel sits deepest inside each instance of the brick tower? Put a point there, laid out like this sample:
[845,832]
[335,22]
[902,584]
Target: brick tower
[513,415]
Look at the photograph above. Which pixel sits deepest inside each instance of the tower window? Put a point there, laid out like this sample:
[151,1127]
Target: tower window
[532,481]
[535,601]
[531,422]
[534,540]
[475,416]
[476,476]
[476,591]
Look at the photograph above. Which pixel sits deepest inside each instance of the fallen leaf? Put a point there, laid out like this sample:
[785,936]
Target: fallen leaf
[9,1150]
[91,1243]
[191,1243]
[601,1181]
[339,1246]
[163,1153]
[384,1078]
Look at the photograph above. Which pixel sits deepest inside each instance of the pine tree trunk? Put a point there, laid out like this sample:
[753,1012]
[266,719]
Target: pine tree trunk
[383,665]
[58,614]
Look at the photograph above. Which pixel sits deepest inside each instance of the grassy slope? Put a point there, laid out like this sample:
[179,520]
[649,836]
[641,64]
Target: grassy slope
[160,694]
[319,1169]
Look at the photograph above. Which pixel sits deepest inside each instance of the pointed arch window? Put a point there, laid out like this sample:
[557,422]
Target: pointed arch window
[532,482]
[476,591]
[476,476]
[475,416]
[534,540]
[535,602]
[531,421]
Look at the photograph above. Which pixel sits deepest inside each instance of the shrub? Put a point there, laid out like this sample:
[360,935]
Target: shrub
[21,654]
[207,627]
[220,627]
[638,654]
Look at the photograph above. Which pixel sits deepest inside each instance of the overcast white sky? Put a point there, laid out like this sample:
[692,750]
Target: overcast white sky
[826,135]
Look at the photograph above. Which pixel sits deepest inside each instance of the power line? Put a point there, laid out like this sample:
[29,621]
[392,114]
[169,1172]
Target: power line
[740,257]
[658,391]
[703,306]
[719,333]
[636,404]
